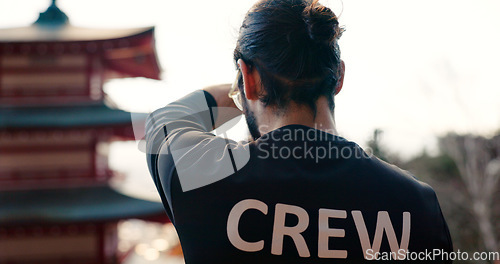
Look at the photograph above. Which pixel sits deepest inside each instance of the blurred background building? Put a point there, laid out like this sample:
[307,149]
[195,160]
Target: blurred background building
[56,124]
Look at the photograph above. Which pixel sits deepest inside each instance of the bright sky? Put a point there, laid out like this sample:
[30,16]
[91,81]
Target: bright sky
[415,68]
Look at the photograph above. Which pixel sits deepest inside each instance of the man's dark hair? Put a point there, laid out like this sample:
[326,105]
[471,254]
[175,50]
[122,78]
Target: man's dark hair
[293,45]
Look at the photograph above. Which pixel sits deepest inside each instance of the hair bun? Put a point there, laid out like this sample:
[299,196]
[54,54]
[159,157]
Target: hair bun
[322,24]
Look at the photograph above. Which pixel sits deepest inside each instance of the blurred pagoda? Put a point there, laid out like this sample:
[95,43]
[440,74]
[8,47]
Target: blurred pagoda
[56,124]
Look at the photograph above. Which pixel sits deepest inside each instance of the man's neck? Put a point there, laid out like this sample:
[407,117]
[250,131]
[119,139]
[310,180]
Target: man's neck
[300,115]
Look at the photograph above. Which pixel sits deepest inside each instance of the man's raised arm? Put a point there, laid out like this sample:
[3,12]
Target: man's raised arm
[178,140]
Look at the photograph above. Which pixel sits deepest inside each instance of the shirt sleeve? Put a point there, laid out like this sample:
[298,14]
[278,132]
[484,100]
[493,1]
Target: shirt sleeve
[178,140]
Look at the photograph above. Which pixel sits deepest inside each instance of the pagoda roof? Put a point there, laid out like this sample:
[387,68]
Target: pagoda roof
[68,116]
[88,204]
[67,33]
[126,52]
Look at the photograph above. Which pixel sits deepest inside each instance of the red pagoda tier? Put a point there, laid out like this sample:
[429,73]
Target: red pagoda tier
[56,205]
[52,61]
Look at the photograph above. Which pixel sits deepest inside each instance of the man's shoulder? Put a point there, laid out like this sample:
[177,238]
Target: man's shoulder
[402,175]
[401,183]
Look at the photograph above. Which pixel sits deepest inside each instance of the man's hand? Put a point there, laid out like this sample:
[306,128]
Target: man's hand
[227,110]
[219,92]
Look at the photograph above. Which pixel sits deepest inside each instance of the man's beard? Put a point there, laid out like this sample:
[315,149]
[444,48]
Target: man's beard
[252,124]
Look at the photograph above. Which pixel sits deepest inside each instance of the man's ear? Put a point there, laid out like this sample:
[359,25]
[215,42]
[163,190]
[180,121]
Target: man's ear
[340,83]
[251,81]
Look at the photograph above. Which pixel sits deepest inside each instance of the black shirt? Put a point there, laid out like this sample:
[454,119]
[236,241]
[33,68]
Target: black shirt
[296,195]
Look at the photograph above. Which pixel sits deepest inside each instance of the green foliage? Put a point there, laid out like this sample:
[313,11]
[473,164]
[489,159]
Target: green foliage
[375,146]
[439,168]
